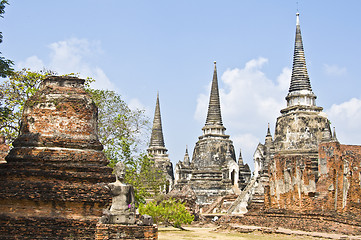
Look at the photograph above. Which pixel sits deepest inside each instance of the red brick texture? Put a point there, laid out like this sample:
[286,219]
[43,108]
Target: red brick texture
[122,232]
[52,183]
[322,198]
[330,222]
[4,149]
[336,185]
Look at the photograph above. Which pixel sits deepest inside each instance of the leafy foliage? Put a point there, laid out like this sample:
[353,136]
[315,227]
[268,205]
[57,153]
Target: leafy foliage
[5,64]
[20,86]
[146,179]
[122,130]
[168,211]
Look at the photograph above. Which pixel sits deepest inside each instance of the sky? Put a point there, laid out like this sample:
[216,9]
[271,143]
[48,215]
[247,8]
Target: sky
[138,48]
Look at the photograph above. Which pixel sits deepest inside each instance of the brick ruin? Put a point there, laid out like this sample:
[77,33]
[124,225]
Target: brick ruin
[4,149]
[336,187]
[304,177]
[51,183]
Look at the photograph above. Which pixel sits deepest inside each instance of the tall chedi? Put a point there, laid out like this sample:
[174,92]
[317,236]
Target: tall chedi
[157,150]
[302,124]
[294,170]
[214,169]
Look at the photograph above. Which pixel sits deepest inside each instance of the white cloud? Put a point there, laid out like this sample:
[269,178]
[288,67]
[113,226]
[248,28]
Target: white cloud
[346,117]
[248,143]
[135,104]
[249,100]
[284,79]
[334,70]
[33,62]
[73,56]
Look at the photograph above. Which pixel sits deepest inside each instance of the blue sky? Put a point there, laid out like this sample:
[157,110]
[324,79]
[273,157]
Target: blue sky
[140,47]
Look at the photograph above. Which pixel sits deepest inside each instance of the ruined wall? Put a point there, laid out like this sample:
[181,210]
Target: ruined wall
[340,176]
[335,186]
[125,232]
[292,183]
[330,222]
[51,181]
[4,149]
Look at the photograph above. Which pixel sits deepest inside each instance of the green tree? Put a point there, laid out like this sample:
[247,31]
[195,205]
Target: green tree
[5,64]
[147,180]
[168,211]
[15,91]
[122,131]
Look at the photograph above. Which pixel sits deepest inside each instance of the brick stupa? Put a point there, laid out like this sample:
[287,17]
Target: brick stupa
[51,184]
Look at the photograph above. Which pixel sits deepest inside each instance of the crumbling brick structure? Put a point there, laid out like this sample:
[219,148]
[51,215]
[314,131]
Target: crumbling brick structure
[51,183]
[4,149]
[336,186]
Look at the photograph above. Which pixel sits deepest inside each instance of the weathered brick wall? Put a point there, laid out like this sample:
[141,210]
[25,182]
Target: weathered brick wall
[292,183]
[330,222]
[340,176]
[336,185]
[51,182]
[4,149]
[117,231]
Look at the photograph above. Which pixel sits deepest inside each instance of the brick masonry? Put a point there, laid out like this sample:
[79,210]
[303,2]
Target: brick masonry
[52,183]
[118,231]
[336,185]
[312,221]
[4,149]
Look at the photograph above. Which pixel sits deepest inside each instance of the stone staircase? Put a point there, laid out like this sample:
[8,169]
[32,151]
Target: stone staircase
[221,204]
[241,203]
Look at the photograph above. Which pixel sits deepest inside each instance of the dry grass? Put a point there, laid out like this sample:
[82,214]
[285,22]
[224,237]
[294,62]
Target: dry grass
[197,233]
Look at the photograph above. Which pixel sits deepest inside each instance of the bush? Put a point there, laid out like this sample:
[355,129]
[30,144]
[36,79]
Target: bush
[169,212]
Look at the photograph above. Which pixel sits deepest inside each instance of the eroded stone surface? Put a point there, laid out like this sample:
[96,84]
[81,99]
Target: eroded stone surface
[213,171]
[4,149]
[54,171]
[122,210]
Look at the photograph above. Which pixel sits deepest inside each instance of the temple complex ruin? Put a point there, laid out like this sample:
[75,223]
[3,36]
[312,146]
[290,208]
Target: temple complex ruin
[213,171]
[157,150]
[304,178]
[55,180]
[51,181]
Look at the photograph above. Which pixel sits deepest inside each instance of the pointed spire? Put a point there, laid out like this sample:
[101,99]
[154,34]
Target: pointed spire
[268,132]
[156,139]
[240,159]
[300,79]
[186,160]
[214,108]
[334,138]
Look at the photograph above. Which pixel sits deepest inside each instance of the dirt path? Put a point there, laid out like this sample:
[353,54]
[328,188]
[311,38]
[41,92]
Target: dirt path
[208,233]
